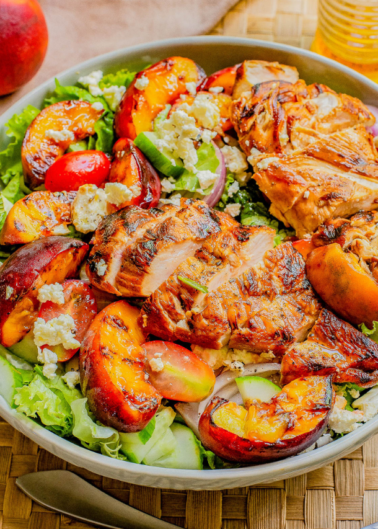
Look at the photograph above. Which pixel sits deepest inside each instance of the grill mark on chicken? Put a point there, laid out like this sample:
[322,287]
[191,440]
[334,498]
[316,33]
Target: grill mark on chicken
[274,115]
[334,347]
[151,259]
[167,312]
[269,307]
[114,235]
[316,184]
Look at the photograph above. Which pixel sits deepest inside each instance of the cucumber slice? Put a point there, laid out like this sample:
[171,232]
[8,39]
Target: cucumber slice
[256,388]
[78,146]
[187,454]
[26,349]
[10,380]
[134,445]
[162,448]
[160,160]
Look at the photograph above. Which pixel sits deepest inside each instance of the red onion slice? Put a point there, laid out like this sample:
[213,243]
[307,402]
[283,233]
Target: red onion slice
[374,128]
[226,388]
[217,191]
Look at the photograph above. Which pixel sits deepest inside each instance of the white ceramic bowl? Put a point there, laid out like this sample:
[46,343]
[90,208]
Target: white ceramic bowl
[212,53]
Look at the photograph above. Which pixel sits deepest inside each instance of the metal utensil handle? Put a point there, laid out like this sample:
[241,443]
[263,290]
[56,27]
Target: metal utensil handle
[65,492]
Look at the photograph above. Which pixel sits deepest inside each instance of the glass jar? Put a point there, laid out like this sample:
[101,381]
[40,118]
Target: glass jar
[348,33]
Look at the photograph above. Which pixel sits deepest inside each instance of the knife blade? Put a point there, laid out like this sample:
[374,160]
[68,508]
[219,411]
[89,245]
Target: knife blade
[67,493]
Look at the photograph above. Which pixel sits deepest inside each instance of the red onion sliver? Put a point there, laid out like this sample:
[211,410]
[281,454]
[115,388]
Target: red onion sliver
[374,128]
[217,192]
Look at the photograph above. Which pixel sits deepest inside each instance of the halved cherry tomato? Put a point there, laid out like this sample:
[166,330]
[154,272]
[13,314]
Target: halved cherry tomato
[80,303]
[75,169]
[177,373]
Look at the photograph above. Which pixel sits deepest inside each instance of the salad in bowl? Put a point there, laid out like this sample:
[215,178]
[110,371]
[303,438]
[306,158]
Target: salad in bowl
[189,273]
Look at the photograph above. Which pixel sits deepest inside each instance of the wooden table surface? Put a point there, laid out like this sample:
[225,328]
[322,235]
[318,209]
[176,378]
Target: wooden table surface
[339,496]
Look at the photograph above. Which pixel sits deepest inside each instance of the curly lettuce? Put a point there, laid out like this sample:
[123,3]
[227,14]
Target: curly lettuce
[207,161]
[93,435]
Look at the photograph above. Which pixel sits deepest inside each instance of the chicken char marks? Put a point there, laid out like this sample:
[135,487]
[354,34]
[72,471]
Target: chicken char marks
[334,347]
[266,308]
[275,116]
[136,250]
[335,176]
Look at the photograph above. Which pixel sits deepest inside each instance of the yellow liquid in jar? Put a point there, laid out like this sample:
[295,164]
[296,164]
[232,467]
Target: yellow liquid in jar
[348,33]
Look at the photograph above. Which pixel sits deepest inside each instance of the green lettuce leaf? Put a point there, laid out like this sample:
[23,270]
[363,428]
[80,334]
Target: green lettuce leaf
[10,157]
[121,78]
[105,133]
[37,400]
[92,435]
[207,161]
[67,93]
[371,333]
[345,391]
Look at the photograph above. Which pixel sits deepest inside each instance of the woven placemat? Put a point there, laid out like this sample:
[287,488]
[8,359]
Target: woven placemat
[339,496]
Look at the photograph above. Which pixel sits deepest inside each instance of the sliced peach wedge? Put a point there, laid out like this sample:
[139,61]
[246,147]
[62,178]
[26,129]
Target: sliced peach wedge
[339,279]
[152,89]
[113,377]
[40,214]
[131,168]
[51,133]
[46,261]
[224,79]
[266,431]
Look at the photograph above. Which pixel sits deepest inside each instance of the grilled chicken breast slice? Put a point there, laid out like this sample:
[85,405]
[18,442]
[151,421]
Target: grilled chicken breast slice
[278,301]
[334,177]
[275,116]
[148,262]
[333,347]
[112,238]
[223,256]
[251,73]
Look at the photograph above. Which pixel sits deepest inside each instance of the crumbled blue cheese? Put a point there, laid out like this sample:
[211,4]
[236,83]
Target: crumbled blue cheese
[88,208]
[191,88]
[142,82]
[156,364]
[91,81]
[235,159]
[71,378]
[204,110]
[60,135]
[53,292]
[265,162]
[206,178]
[117,193]
[233,209]
[98,106]
[8,292]
[177,134]
[344,421]
[234,188]
[113,96]
[101,267]
[216,89]
[173,199]
[60,229]
[60,330]
[49,360]
[167,186]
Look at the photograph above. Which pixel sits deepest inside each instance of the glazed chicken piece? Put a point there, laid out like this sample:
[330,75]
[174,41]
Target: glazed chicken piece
[112,238]
[275,116]
[278,282]
[223,256]
[336,348]
[251,73]
[154,257]
[336,176]
[136,250]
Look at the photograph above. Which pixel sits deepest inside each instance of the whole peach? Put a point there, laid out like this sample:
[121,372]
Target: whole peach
[23,42]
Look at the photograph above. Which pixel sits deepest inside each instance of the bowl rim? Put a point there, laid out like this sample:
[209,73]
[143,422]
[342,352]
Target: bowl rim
[178,478]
